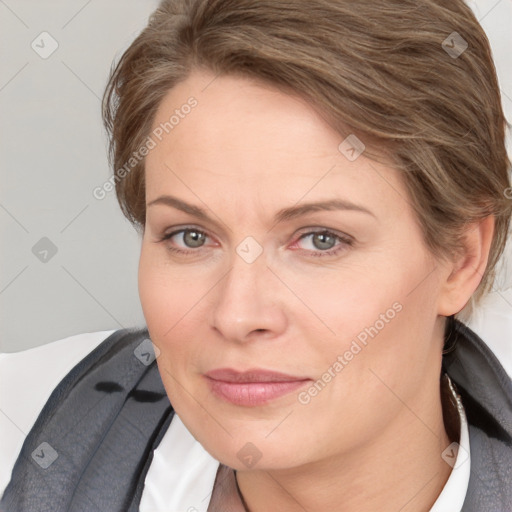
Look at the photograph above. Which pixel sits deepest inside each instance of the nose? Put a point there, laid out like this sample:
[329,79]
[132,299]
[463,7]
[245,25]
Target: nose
[248,302]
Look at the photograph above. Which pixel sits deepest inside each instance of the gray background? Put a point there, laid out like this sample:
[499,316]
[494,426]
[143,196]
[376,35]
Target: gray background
[53,154]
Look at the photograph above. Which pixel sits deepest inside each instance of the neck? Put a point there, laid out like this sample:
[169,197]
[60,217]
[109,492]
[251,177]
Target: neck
[396,472]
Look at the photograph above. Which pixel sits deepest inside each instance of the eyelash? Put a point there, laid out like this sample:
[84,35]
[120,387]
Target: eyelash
[346,241]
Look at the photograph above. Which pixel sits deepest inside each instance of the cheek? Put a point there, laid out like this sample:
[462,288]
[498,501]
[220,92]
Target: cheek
[173,303]
[165,304]
[162,311]
[383,343]
[155,297]
[380,317]
[352,302]
[165,299]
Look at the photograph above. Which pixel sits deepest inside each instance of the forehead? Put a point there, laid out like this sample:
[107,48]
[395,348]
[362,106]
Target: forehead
[244,114]
[250,137]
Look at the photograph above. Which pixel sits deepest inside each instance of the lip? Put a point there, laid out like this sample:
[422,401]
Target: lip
[253,387]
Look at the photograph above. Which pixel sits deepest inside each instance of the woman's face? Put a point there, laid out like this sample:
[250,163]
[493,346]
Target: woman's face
[341,297]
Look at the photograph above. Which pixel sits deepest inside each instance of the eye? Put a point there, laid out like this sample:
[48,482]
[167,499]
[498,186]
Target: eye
[321,243]
[191,238]
[325,242]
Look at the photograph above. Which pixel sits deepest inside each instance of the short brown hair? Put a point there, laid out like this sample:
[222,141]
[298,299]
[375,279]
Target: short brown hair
[381,70]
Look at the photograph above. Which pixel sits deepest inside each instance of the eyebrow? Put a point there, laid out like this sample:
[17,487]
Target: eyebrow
[286,214]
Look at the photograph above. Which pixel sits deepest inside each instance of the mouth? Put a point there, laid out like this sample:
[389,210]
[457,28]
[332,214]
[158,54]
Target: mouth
[254,387]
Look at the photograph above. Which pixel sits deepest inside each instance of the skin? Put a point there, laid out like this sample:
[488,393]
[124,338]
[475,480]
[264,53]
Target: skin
[372,438]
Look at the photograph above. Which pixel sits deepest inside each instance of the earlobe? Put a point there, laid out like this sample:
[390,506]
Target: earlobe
[466,272]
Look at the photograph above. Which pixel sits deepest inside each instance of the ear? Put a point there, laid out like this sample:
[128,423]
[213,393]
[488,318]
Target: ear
[465,273]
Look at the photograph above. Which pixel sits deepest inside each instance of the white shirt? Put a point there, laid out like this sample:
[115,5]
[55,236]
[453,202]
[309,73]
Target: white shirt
[182,473]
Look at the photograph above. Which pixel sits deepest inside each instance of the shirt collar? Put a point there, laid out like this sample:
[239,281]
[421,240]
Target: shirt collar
[456,455]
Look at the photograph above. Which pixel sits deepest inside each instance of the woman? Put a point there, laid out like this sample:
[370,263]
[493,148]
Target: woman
[320,189]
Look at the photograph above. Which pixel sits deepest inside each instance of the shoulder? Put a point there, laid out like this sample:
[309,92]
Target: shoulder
[492,322]
[27,379]
[481,367]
